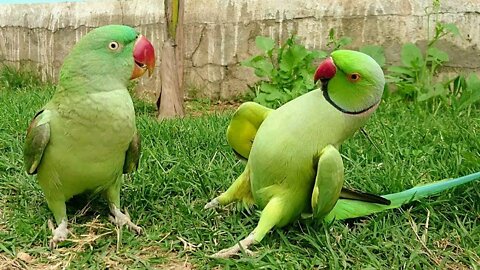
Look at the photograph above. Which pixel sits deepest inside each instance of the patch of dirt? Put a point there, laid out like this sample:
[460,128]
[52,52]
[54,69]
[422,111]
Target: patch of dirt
[174,263]
[62,257]
[170,261]
[112,261]
[445,244]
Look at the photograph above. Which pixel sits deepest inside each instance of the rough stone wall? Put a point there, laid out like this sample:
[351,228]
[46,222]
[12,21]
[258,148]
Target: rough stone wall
[219,34]
[41,35]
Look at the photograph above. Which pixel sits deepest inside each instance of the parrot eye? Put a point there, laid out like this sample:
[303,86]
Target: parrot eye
[354,77]
[113,45]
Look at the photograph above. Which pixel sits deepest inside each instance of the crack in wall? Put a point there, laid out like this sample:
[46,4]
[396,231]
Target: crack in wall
[202,35]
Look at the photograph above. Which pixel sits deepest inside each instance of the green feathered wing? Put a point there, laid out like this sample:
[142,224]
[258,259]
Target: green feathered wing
[240,136]
[244,126]
[346,208]
[36,140]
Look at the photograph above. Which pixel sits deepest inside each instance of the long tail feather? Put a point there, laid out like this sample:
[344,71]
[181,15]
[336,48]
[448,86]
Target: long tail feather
[362,196]
[345,209]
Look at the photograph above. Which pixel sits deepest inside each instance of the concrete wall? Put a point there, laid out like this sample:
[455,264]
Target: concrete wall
[221,33]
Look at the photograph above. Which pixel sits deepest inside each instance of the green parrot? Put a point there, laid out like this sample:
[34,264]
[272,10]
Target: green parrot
[84,138]
[293,165]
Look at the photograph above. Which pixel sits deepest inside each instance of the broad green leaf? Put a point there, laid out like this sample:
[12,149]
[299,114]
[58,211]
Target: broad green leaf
[471,94]
[249,62]
[431,91]
[268,88]
[263,68]
[305,74]
[437,55]
[292,56]
[401,70]
[393,79]
[261,99]
[307,80]
[298,89]
[274,96]
[411,55]
[376,52]
[284,75]
[473,82]
[299,52]
[318,54]
[264,43]
[262,65]
[452,28]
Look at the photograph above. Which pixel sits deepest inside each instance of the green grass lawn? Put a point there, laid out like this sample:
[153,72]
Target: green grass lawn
[186,162]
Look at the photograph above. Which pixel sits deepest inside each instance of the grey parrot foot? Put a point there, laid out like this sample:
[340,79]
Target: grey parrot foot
[120,219]
[59,234]
[236,249]
[212,204]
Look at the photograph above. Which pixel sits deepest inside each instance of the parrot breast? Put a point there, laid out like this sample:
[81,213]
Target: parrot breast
[90,135]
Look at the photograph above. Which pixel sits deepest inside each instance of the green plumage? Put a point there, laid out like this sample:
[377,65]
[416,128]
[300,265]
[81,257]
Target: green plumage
[285,155]
[294,167]
[345,209]
[85,137]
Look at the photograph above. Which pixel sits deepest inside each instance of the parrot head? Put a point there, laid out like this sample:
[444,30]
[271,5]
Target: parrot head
[114,52]
[352,81]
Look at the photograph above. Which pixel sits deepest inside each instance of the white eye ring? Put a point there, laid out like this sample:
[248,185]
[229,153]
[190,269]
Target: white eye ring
[113,45]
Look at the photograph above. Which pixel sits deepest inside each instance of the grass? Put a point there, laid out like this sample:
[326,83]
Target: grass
[186,162]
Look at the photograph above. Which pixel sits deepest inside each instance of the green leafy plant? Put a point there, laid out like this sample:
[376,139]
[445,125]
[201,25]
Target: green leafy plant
[464,91]
[286,71]
[18,79]
[415,78]
[335,43]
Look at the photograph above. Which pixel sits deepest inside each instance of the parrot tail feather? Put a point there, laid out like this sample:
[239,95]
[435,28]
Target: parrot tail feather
[362,196]
[351,208]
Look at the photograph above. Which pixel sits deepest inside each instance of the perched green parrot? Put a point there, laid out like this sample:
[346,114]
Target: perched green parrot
[293,165]
[84,138]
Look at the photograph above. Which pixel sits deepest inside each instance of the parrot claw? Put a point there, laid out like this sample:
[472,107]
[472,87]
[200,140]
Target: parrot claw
[120,219]
[212,204]
[230,252]
[59,234]
[236,249]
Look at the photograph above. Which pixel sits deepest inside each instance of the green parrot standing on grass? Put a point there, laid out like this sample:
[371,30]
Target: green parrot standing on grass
[84,138]
[293,165]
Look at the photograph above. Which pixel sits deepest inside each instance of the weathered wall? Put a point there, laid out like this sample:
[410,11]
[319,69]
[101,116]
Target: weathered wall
[41,35]
[221,33]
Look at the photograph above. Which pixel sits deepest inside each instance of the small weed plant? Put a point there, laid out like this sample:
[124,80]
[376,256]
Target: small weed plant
[417,77]
[285,71]
[19,79]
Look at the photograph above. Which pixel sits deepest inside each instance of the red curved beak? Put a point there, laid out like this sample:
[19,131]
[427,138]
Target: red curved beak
[326,70]
[144,57]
